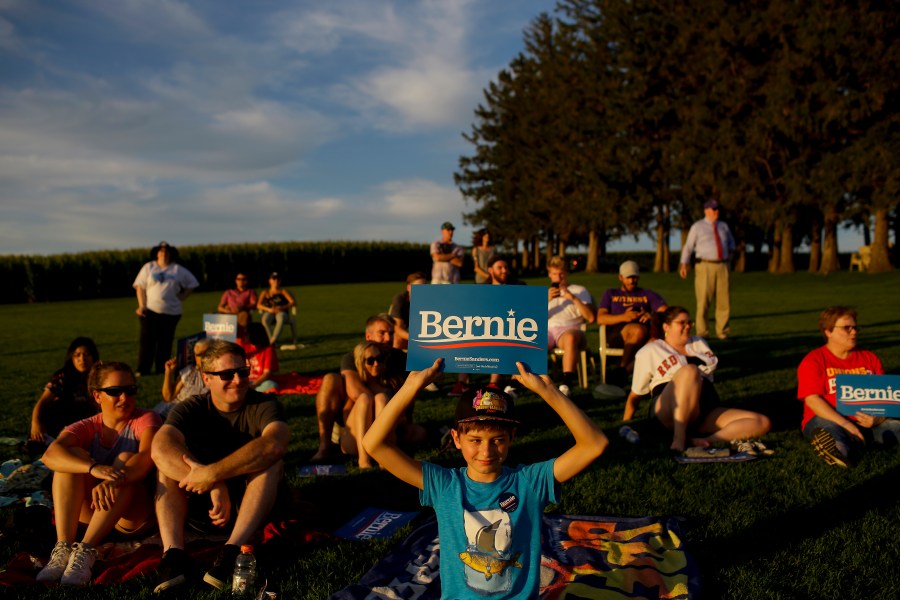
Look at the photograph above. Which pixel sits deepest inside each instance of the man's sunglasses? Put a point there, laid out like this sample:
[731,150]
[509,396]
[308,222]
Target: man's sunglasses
[371,360]
[117,390]
[228,374]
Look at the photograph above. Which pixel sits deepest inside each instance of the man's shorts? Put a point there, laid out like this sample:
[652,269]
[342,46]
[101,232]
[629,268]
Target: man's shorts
[614,333]
[554,333]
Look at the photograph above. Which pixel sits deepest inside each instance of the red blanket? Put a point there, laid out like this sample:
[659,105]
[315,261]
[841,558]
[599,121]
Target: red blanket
[295,383]
[120,561]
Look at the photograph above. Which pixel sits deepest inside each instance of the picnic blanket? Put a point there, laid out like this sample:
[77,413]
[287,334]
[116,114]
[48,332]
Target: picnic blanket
[581,557]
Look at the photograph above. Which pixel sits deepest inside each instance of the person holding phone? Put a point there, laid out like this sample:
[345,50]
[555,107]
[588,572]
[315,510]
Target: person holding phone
[626,311]
[569,306]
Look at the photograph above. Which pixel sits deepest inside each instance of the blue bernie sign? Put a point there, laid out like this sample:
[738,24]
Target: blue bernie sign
[876,395]
[478,328]
[223,327]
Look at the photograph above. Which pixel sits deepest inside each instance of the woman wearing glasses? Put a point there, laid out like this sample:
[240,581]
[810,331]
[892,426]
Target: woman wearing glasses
[837,438]
[677,372]
[101,474]
[359,413]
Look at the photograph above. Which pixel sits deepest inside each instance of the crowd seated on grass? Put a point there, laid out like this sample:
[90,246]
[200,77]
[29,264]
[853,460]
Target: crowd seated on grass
[837,438]
[677,373]
[102,475]
[190,382]
[65,398]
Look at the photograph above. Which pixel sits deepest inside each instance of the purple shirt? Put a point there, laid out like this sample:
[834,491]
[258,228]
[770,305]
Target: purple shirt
[617,301]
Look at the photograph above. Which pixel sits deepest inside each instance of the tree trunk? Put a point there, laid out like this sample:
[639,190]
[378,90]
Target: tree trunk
[830,262]
[815,246]
[593,255]
[661,261]
[561,246]
[786,265]
[536,253]
[867,233]
[880,261]
[526,257]
[775,247]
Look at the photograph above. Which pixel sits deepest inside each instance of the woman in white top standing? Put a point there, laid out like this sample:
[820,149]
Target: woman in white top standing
[677,372]
[161,285]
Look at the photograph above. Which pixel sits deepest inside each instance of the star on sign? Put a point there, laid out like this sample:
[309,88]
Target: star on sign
[511,313]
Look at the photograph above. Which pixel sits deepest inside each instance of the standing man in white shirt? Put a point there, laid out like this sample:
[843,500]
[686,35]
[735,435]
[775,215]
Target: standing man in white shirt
[447,257]
[711,242]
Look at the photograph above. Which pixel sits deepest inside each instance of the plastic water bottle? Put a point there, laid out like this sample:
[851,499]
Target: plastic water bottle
[244,572]
[630,435]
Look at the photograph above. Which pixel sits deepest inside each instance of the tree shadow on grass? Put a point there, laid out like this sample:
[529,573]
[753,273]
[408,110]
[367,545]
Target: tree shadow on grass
[790,529]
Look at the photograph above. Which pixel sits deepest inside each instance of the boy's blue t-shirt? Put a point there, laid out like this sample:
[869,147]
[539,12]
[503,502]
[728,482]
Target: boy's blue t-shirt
[490,532]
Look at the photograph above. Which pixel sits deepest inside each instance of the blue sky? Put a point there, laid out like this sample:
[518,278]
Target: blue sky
[124,122]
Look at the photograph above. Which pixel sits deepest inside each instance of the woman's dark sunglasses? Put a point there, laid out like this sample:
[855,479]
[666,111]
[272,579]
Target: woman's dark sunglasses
[228,374]
[117,390]
[371,360]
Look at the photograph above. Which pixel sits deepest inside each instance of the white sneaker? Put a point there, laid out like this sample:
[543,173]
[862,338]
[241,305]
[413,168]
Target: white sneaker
[431,387]
[511,392]
[59,560]
[81,561]
[564,390]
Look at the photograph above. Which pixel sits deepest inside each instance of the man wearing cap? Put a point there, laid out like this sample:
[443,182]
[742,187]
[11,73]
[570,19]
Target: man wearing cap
[711,242]
[161,285]
[447,257]
[626,311]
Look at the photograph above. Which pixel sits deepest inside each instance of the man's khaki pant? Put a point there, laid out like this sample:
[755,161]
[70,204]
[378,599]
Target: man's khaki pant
[712,279]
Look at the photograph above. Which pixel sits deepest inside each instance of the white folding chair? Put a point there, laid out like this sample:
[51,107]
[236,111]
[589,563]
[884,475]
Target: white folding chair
[581,365]
[605,351]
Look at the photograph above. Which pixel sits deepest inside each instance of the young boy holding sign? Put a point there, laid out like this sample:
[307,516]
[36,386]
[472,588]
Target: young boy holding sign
[489,515]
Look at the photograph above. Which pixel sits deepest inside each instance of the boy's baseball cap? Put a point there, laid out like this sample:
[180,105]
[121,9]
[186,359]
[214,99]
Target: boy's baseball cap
[710,204]
[448,225]
[485,404]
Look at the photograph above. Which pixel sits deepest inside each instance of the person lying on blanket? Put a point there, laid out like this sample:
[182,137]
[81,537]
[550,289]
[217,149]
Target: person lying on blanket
[102,474]
[220,462]
[489,515]
[677,373]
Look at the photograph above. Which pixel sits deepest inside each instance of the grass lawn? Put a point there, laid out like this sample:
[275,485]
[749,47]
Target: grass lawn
[787,527]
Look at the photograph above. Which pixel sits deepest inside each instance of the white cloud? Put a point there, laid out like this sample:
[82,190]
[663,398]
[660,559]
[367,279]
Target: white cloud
[418,199]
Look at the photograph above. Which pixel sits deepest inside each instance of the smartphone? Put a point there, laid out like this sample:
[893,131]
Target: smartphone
[555,284]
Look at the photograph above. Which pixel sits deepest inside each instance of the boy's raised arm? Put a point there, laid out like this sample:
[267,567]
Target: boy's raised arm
[590,441]
[379,441]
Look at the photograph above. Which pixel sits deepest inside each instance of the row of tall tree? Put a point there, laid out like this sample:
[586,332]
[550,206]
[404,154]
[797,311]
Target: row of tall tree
[621,117]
